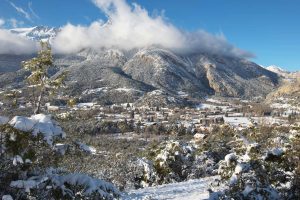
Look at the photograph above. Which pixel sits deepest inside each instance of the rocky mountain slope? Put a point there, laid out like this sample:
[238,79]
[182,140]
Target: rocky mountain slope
[117,75]
[200,74]
[290,88]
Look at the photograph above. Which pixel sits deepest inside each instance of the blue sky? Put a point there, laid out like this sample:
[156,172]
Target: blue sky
[268,28]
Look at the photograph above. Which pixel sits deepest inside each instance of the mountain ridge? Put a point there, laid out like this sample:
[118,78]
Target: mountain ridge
[151,68]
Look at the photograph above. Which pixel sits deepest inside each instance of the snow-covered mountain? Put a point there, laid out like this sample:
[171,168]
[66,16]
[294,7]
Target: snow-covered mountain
[109,71]
[276,69]
[37,33]
[148,69]
[200,73]
[283,73]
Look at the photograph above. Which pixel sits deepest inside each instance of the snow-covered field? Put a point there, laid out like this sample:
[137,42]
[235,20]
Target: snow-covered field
[188,190]
[211,106]
[213,100]
[237,121]
[285,106]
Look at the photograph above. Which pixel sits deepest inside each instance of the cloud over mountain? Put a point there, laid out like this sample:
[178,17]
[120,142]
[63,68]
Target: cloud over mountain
[131,26]
[14,44]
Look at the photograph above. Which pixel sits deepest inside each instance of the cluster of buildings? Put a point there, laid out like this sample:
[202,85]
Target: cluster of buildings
[202,117]
[198,118]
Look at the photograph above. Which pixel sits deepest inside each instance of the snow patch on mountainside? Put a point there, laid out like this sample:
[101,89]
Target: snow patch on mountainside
[95,91]
[278,70]
[127,90]
[284,73]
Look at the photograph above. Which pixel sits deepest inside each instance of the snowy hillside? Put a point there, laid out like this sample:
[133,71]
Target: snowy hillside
[278,70]
[283,73]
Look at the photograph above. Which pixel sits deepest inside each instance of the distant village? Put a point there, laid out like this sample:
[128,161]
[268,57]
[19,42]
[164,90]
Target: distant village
[239,114]
[235,112]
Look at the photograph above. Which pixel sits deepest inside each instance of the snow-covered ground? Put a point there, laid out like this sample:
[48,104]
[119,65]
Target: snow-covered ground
[285,106]
[86,148]
[85,105]
[237,121]
[268,120]
[126,90]
[189,190]
[96,90]
[211,100]
[182,94]
[211,106]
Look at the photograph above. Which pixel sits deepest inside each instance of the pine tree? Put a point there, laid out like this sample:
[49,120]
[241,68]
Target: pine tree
[39,77]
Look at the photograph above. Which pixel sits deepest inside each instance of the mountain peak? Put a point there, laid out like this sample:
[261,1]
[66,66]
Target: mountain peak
[37,33]
[276,69]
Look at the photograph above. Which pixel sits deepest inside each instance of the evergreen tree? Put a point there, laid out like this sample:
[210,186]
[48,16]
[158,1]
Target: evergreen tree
[39,77]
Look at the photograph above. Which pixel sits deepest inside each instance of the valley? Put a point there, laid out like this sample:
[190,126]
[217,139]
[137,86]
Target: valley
[128,104]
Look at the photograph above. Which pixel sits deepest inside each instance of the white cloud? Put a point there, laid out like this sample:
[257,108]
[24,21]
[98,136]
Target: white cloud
[14,44]
[32,11]
[2,22]
[21,11]
[128,27]
[15,23]
[131,26]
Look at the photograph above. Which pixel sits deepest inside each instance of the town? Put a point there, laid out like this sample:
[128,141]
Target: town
[235,112]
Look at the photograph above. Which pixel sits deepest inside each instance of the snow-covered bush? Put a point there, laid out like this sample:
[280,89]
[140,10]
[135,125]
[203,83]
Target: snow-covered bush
[64,116]
[90,188]
[217,141]
[38,124]
[144,173]
[204,164]
[266,170]
[30,140]
[293,160]
[246,180]
[28,150]
[174,161]
[58,185]
[26,146]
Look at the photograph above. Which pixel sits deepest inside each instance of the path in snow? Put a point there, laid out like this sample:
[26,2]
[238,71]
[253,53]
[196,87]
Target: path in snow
[189,190]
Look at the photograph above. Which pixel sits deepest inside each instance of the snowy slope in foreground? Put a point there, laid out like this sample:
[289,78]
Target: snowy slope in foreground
[189,190]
